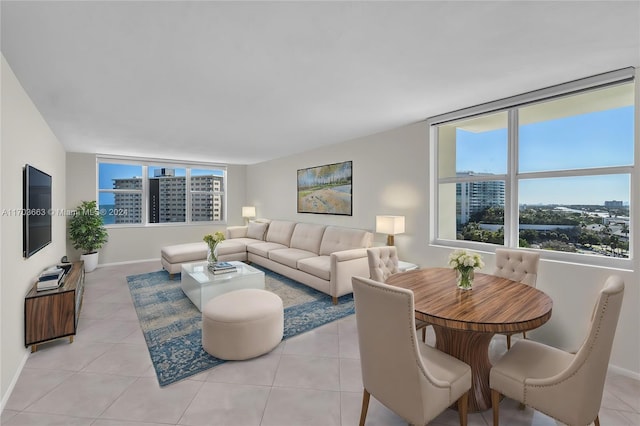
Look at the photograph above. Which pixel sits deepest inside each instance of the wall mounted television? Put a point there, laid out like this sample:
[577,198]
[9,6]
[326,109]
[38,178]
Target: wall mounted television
[36,217]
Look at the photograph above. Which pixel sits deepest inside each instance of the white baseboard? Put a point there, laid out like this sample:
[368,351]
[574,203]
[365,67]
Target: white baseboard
[14,381]
[128,262]
[624,372]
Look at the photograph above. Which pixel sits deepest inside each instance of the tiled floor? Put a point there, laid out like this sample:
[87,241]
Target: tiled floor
[105,378]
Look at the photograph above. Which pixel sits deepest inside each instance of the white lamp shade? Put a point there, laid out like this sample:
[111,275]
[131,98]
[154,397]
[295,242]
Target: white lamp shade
[390,225]
[248,211]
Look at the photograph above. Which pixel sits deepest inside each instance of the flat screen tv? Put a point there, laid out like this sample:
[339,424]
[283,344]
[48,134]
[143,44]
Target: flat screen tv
[36,215]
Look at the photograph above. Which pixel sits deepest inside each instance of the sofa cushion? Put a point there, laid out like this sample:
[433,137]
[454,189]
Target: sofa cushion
[234,246]
[257,230]
[280,232]
[289,256]
[307,236]
[263,249]
[337,239]
[320,266]
[188,252]
[235,232]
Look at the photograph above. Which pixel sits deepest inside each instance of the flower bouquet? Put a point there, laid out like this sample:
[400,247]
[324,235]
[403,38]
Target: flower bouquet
[464,263]
[213,241]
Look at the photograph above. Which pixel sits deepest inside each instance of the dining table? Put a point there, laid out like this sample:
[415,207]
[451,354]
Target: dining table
[465,321]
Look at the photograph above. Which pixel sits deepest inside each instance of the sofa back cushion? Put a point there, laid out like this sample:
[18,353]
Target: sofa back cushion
[307,236]
[336,238]
[257,230]
[235,232]
[280,232]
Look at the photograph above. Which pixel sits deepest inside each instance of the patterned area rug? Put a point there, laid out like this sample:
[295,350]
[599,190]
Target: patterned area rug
[172,325]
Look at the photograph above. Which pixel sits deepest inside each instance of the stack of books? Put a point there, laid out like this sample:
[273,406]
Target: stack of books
[50,279]
[222,268]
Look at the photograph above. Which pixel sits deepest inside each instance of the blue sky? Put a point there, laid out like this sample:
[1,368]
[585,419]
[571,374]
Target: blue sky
[598,139]
[109,171]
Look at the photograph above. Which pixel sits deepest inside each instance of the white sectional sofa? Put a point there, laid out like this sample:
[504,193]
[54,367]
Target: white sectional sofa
[320,256]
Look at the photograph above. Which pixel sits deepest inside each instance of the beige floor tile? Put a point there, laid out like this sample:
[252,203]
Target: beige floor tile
[82,395]
[145,401]
[350,375]
[61,355]
[38,419]
[314,344]
[308,372]
[257,371]
[296,407]
[227,404]
[123,359]
[33,385]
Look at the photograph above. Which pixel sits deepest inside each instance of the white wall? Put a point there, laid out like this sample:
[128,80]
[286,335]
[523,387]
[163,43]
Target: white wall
[26,138]
[391,176]
[128,244]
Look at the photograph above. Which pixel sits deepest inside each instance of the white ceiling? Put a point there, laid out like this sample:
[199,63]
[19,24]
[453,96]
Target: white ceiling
[243,82]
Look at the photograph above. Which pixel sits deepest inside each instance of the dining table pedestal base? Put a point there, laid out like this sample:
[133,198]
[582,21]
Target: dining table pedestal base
[472,348]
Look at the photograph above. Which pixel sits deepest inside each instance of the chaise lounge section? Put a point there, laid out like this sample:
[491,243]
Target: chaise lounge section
[320,256]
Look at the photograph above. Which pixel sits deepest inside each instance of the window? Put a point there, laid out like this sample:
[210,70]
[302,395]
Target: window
[141,192]
[550,172]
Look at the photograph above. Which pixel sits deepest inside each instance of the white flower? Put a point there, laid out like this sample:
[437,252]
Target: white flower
[459,259]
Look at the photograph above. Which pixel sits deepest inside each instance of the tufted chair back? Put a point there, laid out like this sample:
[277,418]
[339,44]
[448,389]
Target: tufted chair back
[517,265]
[383,262]
[565,386]
[417,382]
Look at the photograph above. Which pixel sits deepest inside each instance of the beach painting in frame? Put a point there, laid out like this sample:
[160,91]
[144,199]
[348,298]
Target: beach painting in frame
[325,189]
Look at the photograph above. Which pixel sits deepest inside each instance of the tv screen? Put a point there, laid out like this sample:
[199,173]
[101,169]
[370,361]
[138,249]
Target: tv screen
[36,210]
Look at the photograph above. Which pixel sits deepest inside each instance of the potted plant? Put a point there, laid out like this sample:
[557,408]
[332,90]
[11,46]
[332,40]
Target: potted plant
[87,233]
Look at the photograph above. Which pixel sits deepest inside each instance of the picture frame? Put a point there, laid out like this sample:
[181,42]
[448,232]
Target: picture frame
[326,189]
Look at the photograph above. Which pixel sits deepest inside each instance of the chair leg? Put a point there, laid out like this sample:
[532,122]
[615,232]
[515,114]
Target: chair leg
[596,422]
[495,402]
[524,334]
[335,300]
[508,341]
[424,334]
[365,406]
[463,407]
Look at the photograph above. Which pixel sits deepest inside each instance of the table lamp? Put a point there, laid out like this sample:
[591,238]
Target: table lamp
[248,212]
[390,225]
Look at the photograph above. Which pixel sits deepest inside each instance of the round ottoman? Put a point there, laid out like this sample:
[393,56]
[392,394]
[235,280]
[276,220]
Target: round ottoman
[242,324]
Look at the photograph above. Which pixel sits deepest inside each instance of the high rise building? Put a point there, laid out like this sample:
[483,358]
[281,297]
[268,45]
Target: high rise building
[128,205]
[474,197]
[167,197]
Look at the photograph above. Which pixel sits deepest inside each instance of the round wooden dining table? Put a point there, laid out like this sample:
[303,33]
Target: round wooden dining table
[465,321]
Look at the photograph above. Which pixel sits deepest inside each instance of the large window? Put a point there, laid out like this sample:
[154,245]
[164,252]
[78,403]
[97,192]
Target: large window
[141,192]
[552,172]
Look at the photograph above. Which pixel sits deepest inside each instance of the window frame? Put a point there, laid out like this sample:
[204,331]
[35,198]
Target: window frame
[146,164]
[513,177]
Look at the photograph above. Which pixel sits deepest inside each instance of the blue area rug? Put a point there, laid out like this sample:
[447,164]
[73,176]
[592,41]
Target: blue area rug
[172,325]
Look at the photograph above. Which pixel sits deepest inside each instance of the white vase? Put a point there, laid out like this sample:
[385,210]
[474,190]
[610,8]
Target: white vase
[90,261]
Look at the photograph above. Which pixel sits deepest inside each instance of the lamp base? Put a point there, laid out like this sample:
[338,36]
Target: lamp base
[390,241]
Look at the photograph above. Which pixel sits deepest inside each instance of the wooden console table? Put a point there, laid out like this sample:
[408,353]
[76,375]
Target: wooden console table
[52,314]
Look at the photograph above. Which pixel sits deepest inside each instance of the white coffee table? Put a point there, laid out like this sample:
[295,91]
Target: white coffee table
[200,285]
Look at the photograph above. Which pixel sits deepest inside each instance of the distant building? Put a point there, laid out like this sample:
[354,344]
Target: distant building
[168,198]
[128,205]
[614,204]
[474,197]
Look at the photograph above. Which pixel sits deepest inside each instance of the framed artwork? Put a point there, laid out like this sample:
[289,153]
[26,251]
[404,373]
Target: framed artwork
[325,189]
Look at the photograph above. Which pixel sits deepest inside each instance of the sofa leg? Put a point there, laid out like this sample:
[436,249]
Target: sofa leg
[335,300]
[171,276]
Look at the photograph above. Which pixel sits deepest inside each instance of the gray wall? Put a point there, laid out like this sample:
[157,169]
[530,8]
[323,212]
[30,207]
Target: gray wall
[26,138]
[391,176]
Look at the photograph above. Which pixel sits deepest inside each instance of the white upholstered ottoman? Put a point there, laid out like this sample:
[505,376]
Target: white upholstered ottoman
[242,324]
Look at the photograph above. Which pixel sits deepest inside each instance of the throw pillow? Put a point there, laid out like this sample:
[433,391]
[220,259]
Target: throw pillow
[257,230]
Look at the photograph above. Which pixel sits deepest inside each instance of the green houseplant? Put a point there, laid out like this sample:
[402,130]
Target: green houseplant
[87,233]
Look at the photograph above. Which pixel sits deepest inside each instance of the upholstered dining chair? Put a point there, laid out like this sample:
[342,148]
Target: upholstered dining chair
[417,382]
[383,262]
[517,265]
[565,386]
